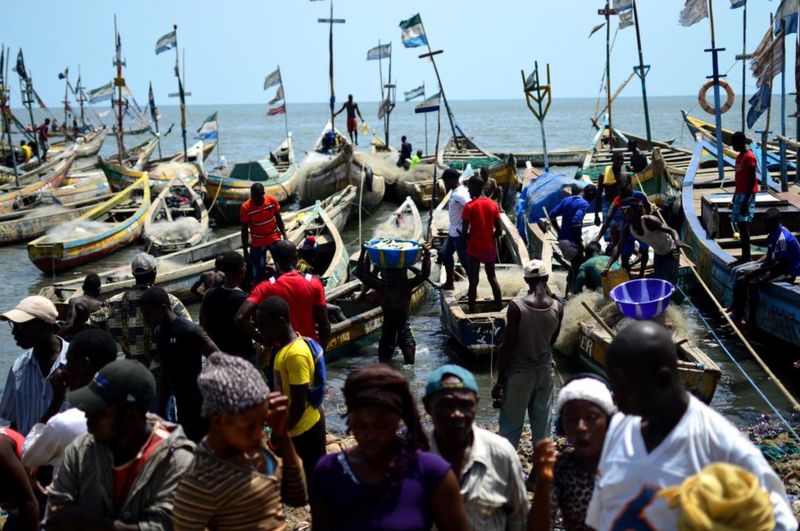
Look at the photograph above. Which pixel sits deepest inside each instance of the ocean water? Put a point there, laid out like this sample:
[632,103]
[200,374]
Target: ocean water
[247,133]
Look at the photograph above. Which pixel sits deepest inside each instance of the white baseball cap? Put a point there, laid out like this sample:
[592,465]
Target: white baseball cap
[536,269]
[30,308]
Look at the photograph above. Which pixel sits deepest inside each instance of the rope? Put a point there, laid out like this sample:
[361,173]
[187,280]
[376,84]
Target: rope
[741,369]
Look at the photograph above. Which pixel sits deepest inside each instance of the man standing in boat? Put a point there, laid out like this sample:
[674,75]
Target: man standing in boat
[456,242]
[572,210]
[608,185]
[480,222]
[43,134]
[743,204]
[405,152]
[352,123]
[262,227]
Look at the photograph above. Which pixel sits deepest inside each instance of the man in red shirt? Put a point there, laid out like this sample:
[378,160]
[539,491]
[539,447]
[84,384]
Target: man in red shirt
[43,136]
[304,293]
[262,226]
[481,224]
[743,205]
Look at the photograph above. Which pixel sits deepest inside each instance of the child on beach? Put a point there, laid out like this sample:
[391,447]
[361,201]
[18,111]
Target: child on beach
[238,478]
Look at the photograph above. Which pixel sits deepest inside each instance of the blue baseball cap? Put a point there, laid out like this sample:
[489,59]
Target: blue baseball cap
[435,383]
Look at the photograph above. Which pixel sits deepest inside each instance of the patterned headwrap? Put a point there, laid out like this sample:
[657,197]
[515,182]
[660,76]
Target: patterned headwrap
[230,384]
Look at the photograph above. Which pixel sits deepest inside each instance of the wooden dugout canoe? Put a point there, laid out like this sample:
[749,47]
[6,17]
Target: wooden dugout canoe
[17,199]
[162,210]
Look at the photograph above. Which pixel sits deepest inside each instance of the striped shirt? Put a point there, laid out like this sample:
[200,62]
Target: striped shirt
[261,221]
[27,393]
[218,494]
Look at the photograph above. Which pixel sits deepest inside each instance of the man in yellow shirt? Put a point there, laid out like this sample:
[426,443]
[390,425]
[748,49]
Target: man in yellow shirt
[27,152]
[608,185]
[293,370]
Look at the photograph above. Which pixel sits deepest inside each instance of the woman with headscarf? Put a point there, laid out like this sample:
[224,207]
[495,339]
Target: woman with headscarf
[238,479]
[565,482]
[388,480]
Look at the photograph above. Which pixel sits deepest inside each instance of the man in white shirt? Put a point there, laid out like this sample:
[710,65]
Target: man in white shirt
[661,436]
[487,466]
[456,242]
[89,351]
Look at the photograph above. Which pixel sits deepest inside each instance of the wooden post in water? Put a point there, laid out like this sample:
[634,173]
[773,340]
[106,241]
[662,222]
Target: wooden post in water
[717,103]
[542,93]
[331,21]
[642,70]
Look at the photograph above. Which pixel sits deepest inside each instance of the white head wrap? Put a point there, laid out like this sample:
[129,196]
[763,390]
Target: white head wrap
[589,389]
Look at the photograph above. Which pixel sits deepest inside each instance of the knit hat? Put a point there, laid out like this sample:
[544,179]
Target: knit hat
[230,384]
[589,389]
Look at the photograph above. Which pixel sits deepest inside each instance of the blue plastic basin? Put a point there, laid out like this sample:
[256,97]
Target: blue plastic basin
[393,258]
[642,298]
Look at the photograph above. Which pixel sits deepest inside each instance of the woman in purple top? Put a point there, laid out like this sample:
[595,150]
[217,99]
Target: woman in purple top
[388,480]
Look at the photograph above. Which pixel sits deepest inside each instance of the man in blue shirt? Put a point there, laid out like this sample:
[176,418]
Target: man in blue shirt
[572,209]
[780,264]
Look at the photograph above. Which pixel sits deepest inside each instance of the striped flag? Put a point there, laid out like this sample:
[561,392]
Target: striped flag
[278,95]
[167,42]
[737,3]
[759,103]
[277,110]
[413,33]
[428,105]
[379,52]
[693,12]
[101,93]
[273,79]
[415,93]
[767,59]
[209,130]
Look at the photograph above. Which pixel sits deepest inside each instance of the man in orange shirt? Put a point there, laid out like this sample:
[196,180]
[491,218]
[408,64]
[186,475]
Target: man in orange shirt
[481,224]
[262,227]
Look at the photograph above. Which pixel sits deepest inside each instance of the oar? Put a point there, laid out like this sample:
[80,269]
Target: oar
[599,319]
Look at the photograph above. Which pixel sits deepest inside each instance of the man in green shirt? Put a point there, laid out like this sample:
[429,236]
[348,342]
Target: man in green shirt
[590,272]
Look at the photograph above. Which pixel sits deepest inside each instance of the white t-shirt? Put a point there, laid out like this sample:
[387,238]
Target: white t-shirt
[45,443]
[629,477]
[458,198]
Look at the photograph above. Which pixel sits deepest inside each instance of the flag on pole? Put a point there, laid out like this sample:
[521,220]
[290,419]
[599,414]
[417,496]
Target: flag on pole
[597,28]
[385,108]
[623,5]
[151,101]
[413,33]
[167,42]
[759,103]
[626,19]
[693,12]
[786,17]
[101,93]
[767,61]
[428,105]
[273,79]
[20,68]
[278,95]
[382,51]
[415,93]
[277,110]
[208,131]
[65,73]
[737,3]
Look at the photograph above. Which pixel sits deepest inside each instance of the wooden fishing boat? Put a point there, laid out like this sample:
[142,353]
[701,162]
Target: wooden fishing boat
[227,191]
[120,177]
[87,189]
[461,150]
[363,316]
[17,199]
[123,215]
[480,333]
[340,171]
[709,232]
[176,201]
[420,191]
[404,223]
[177,272]
[28,224]
[557,157]
[88,145]
[699,373]
[32,171]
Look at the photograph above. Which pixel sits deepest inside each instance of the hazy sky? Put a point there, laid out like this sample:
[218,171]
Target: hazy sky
[230,46]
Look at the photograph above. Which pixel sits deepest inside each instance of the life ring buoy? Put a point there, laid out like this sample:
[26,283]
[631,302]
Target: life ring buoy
[701,97]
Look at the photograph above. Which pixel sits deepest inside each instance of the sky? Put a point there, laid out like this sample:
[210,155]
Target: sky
[231,46]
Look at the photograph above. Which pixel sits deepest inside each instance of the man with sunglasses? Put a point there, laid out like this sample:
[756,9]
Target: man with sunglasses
[31,395]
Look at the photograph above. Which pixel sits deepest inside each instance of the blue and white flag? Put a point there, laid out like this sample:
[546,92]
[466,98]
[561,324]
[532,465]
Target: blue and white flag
[759,103]
[99,94]
[623,5]
[382,51]
[737,3]
[413,33]
[428,105]
[693,12]
[273,79]
[625,19]
[415,93]
[167,42]
[786,17]
[208,131]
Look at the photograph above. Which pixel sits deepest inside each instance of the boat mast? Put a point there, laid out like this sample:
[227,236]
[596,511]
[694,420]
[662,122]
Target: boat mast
[717,103]
[154,116]
[66,100]
[390,96]
[607,12]
[182,96]
[430,55]
[782,145]
[4,110]
[119,82]
[81,98]
[26,89]
[744,57]
[285,117]
[331,21]
[642,70]
[542,93]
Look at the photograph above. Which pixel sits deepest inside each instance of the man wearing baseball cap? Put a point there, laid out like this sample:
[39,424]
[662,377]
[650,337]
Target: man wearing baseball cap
[487,466]
[29,395]
[526,371]
[122,474]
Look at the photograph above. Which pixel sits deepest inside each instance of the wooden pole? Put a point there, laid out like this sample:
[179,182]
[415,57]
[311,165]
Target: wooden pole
[744,66]
[599,320]
[4,109]
[285,110]
[717,101]
[182,97]
[431,55]
[608,71]
[642,70]
[389,96]
[331,21]
[66,100]
[119,82]
[542,93]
